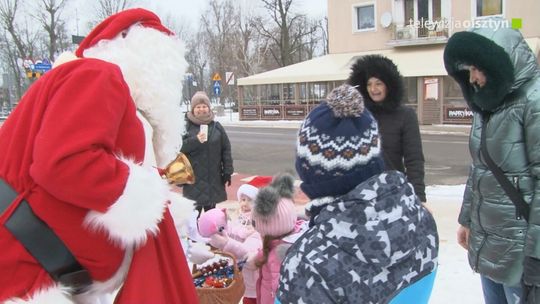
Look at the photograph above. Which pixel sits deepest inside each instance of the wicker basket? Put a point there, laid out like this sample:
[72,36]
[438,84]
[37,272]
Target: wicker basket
[228,295]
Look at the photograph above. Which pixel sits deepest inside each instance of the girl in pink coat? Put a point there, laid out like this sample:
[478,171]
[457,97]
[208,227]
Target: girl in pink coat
[275,219]
[237,236]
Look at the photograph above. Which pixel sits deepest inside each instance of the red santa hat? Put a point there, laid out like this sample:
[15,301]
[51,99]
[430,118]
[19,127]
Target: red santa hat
[115,24]
[252,187]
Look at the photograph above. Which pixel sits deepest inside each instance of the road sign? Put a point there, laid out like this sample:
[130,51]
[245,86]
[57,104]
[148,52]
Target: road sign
[216,77]
[42,67]
[229,78]
[217,88]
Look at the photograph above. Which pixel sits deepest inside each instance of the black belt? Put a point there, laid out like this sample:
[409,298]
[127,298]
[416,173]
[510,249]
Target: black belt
[42,243]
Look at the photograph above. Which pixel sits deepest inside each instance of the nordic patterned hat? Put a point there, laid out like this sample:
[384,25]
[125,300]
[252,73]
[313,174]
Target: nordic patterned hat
[338,145]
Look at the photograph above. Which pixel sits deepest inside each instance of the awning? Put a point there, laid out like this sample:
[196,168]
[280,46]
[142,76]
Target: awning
[411,61]
[337,67]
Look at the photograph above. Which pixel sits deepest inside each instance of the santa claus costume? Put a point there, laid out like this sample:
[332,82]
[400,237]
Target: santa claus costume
[78,151]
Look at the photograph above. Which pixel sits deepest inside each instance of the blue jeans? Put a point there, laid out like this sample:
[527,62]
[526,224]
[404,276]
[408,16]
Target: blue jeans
[496,293]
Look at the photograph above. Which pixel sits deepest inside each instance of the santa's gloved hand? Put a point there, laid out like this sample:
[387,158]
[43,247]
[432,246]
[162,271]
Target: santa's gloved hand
[199,253]
[219,240]
[531,280]
[226,179]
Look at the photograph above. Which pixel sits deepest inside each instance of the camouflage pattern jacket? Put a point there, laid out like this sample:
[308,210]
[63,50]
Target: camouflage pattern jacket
[363,247]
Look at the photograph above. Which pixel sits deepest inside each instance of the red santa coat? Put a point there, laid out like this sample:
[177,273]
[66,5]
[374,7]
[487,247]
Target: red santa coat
[65,149]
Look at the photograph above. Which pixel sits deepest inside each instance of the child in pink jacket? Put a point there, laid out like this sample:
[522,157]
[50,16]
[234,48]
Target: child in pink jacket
[237,237]
[275,219]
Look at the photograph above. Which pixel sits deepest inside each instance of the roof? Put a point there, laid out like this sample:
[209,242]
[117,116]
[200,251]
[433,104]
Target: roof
[412,62]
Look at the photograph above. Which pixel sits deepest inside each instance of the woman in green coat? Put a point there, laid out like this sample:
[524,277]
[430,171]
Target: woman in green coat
[500,79]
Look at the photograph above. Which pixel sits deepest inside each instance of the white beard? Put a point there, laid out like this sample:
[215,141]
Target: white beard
[153,66]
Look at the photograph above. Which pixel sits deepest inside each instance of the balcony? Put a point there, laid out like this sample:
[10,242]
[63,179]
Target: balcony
[421,33]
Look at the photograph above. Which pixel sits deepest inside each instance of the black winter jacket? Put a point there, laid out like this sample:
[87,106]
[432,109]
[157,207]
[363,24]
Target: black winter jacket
[210,160]
[402,146]
[398,124]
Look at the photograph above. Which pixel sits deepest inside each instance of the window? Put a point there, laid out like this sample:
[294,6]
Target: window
[420,13]
[421,10]
[365,17]
[411,89]
[288,93]
[489,7]
[318,91]
[452,92]
[250,95]
[270,94]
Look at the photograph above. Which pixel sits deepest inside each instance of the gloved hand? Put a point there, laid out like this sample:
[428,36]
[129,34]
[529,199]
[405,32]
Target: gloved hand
[199,253]
[531,280]
[226,179]
[219,240]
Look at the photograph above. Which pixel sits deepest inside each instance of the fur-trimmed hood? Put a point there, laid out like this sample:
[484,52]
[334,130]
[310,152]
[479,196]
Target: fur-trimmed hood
[501,54]
[384,69]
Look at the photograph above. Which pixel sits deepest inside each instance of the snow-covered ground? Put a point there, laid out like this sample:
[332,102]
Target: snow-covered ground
[455,282]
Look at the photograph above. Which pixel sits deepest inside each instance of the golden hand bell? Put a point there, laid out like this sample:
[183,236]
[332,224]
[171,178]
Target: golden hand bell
[179,171]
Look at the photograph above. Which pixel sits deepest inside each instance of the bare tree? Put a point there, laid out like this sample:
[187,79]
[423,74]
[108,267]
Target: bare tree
[106,8]
[323,28]
[20,43]
[180,27]
[285,30]
[220,27]
[251,48]
[49,18]
[197,58]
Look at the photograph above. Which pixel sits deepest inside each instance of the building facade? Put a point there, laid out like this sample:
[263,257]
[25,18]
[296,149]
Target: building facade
[413,33]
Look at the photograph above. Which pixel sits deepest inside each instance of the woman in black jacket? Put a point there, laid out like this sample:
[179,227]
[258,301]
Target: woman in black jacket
[380,83]
[208,148]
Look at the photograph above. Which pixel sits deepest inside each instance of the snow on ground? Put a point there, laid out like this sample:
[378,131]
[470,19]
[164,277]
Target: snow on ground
[455,282]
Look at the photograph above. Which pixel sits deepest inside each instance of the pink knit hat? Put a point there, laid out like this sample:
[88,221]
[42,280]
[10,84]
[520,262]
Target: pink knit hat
[274,213]
[252,187]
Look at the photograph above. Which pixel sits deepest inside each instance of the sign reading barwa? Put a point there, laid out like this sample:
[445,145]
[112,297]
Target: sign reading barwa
[271,112]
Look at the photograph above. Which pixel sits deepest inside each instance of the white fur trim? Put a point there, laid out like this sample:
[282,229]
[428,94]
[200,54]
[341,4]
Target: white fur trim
[144,57]
[181,209]
[137,211]
[64,58]
[247,190]
[149,155]
[56,294]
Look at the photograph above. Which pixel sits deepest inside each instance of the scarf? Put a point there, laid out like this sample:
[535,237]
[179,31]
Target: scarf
[203,119]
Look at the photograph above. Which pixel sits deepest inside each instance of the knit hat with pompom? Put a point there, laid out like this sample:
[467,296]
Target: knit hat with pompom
[338,145]
[274,213]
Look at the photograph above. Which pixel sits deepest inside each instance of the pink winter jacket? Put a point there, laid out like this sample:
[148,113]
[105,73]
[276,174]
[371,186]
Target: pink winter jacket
[269,273]
[244,240]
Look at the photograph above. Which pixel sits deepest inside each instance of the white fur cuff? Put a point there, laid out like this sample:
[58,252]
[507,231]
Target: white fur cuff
[137,211]
[55,294]
[181,209]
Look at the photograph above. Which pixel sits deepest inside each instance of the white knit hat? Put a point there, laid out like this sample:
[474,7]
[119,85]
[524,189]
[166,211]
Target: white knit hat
[252,187]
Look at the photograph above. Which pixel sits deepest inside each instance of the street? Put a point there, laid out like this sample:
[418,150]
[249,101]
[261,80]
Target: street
[266,151]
